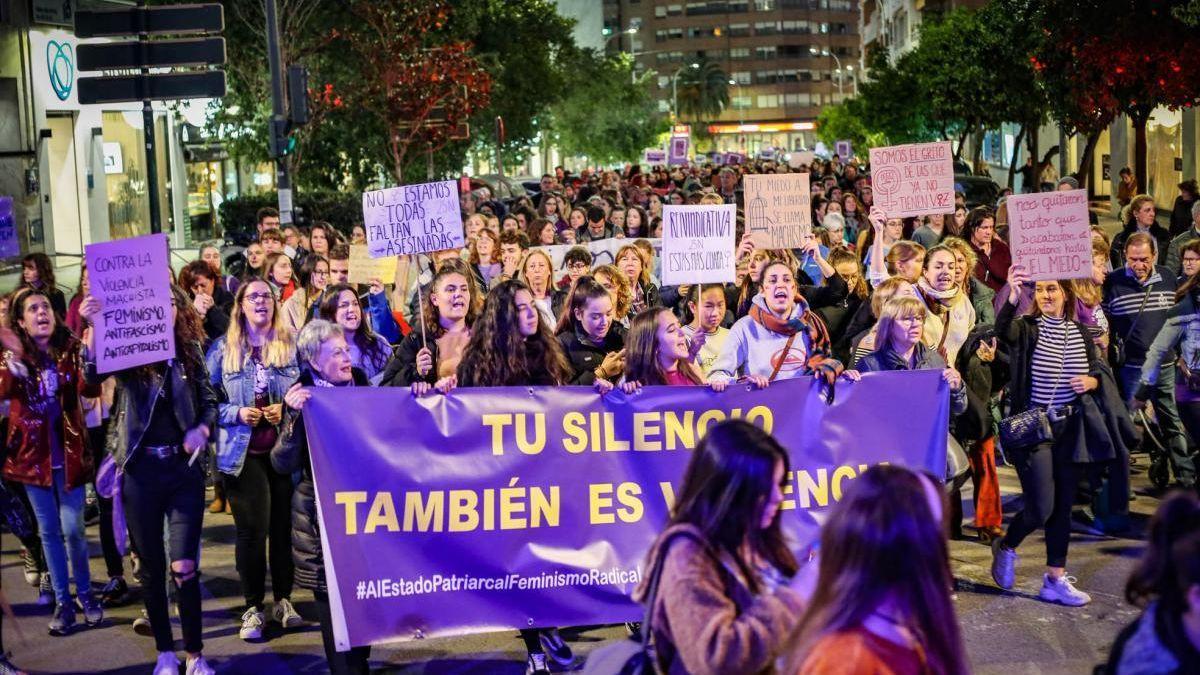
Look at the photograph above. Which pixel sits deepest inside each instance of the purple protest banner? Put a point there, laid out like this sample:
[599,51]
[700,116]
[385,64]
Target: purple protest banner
[131,280]
[502,508]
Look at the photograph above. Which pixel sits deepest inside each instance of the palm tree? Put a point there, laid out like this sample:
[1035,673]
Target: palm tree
[703,91]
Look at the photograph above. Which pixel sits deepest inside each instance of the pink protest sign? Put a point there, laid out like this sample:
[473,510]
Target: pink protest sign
[1050,235]
[130,279]
[913,180]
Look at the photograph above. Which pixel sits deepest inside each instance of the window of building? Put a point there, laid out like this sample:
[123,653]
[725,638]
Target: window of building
[795,27]
[767,101]
[766,27]
[674,10]
[660,12]
[741,76]
[765,76]
[739,53]
[663,105]
[765,53]
[736,6]
[741,101]
[764,5]
[664,81]
[660,35]
[801,98]
[674,33]
[739,29]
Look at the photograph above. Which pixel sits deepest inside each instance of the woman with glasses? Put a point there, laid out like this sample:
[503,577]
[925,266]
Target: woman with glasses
[251,368]
[299,308]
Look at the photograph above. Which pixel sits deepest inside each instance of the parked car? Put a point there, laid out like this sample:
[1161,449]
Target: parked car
[504,188]
[977,190]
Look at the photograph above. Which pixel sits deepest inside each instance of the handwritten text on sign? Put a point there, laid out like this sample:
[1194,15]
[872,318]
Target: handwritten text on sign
[698,243]
[913,180]
[1050,234]
[413,219]
[778,209]
[129,277]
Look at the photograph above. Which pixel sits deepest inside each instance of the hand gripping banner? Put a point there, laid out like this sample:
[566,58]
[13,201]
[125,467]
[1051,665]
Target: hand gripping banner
[502,508]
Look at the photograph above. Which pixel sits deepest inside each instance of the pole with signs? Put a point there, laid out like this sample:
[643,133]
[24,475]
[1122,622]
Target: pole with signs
[148,135]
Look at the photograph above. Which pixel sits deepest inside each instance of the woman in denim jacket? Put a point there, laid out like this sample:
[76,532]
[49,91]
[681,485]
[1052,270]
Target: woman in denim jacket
[251,368]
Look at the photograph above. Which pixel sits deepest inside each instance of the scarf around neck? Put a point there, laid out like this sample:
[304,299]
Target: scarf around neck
[768,320]
[944,297]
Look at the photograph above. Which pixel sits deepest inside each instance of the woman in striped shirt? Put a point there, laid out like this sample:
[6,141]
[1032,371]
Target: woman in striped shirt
[1052,364]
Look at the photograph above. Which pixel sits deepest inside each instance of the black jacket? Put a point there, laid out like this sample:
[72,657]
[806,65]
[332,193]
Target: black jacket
[1108,431]
[401,370]
[1162,236]
[195,401]
[290,456]
[585,357]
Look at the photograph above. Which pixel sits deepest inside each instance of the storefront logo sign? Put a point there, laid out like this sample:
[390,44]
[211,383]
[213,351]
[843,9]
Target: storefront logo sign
[60,62]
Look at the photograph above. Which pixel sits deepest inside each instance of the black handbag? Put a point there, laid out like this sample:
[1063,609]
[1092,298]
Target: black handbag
[1027,429]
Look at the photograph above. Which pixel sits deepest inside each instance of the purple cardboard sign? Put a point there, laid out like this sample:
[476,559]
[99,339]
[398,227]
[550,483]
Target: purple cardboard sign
[9,245]
[131,280]
[678,150]
[500,508]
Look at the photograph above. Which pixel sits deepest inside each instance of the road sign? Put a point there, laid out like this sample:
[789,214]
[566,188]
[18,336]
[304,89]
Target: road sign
[162,20]
[152,54]
[126,88]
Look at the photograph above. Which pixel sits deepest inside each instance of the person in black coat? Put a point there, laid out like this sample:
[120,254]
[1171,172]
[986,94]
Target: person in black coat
[325,361]
[594,343]
[429,355]
[1055,370]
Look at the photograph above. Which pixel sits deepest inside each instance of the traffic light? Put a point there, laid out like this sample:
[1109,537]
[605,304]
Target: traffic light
[280,143]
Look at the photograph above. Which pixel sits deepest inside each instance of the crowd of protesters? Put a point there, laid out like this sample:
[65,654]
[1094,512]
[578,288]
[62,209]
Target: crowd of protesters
[1053,378]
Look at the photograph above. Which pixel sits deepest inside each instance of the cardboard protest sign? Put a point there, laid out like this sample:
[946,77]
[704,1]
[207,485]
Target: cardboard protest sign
[131,280]
[678,150]
[913,180]
[1050,235]
[363,267]
[9,246]
[778,209]
[698,244]
[842,148]
[654,156]
[801,159]
[413,219]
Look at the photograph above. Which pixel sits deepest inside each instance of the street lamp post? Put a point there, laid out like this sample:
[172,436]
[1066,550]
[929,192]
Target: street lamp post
[630,32]
[675,88]
[826,52]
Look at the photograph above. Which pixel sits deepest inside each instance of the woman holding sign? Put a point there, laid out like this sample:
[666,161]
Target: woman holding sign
[168,410]
[251,368]
[41,373]
[512,346]
[1054,365]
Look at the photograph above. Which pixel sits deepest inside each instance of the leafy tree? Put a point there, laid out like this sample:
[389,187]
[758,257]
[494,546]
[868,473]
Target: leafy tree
[613,118]
[703,91]
[1118,56]
[893,106]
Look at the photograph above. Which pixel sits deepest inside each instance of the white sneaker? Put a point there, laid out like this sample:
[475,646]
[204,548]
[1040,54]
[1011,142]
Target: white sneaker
[168,664]
[1062,590]
[198,666]
[286,615]
[252,623]
[536,665]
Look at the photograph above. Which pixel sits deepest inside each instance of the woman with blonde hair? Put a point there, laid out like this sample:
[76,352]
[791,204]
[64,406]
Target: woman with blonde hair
[982,298]
[251,368]
[632,262]
[537,270]
[898,346]
[865,326]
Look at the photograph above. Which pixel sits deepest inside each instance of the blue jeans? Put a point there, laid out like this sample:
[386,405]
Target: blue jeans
[59,512]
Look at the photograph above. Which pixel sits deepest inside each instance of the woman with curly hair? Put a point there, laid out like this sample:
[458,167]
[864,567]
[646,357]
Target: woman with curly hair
[632,262]
[617,284]
[512,346]
[154,451]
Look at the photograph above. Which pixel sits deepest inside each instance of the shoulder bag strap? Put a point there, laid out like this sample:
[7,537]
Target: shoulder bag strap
[1138,317]
[652,588]
[787,348]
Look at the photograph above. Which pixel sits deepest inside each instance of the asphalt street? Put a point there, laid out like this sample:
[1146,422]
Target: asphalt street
[1005,633]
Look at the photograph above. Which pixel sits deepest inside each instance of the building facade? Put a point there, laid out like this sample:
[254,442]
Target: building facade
[73,174]
[785,60]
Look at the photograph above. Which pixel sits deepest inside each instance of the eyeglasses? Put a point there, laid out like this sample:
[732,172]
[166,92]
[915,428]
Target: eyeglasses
[257,298]
[1189,258]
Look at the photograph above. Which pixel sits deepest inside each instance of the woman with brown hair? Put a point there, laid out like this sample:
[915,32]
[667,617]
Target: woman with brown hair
[657,352]
[450,311]
[537,270]
[484,257]
[299,308]
[718,580]
[167,413]
[37,273]
[41,373]
[633,264]
[369,351]
[882,601]
[592,340]
[617,284]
